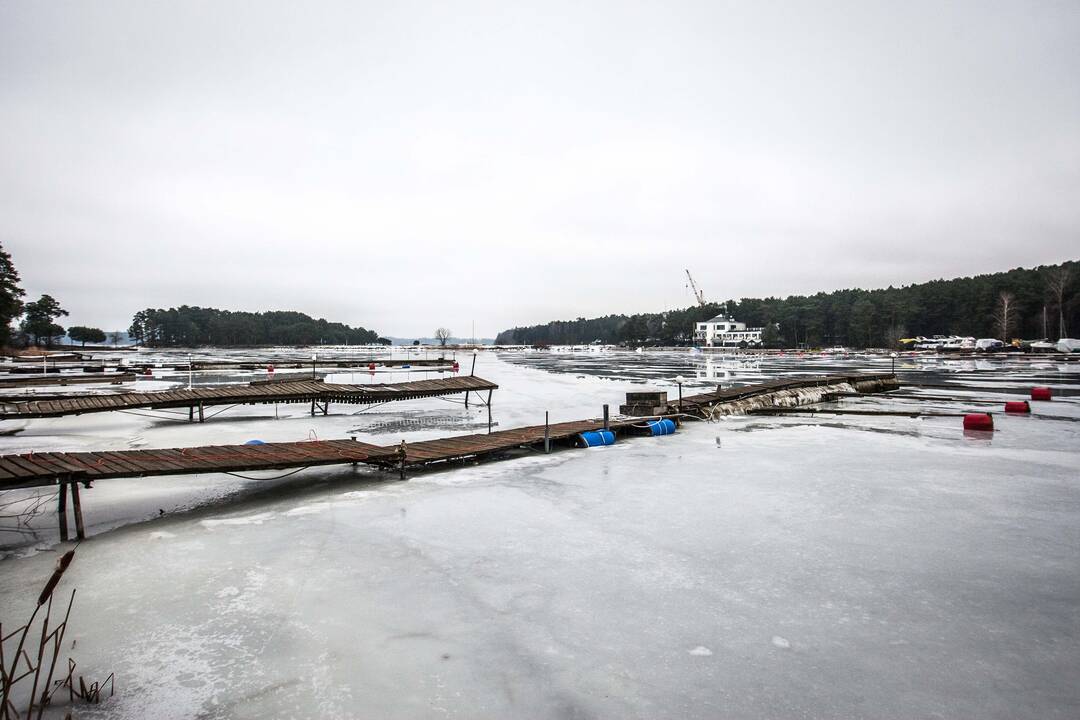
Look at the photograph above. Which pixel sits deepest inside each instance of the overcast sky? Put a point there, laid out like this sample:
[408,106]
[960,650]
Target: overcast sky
[404,165]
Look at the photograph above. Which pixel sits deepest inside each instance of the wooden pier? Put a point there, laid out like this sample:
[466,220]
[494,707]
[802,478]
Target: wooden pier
[316,392]
[701,401]
[42,379]
[69,469]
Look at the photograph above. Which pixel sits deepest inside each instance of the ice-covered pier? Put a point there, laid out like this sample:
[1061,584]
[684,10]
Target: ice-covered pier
[319,394]
[69,469]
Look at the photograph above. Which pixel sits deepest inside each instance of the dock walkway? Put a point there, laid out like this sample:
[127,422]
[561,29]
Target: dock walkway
[301,391]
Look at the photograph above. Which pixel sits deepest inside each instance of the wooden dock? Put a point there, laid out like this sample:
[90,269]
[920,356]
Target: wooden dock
[70,469]
[43,379]
[701,401]
[318,393]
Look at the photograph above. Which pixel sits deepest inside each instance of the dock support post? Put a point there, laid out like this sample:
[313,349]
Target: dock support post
[62,511]
[607,424]
[401,468]
[489,411]
[326,408]
[312,407]
[473,371]
[201,416]
[76,506]
[547,434]
[191,413]
[466,398]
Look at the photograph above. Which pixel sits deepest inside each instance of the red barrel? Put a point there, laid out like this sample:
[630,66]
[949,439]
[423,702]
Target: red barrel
[148,372]
[270,369]
[456,367]
[371,366]
[1017,406]
[1040,393]
[978,421]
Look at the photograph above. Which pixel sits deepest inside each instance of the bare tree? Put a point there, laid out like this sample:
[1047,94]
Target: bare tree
[1005,315]
[442,335]
[1058,284]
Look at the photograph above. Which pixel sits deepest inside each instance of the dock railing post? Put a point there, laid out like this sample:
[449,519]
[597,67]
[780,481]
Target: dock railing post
[547,434]
[76,506]
[473,371]
[62,511]
[607,424]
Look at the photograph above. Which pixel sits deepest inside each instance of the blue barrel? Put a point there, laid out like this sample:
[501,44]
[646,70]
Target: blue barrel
[254,442]
[597,438]
[662,427]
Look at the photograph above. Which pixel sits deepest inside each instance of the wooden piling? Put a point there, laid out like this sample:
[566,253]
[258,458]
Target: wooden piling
[76,507]
[191,414]
[62,511]
[607,421]
[547,433]
[201,416]
[489,411]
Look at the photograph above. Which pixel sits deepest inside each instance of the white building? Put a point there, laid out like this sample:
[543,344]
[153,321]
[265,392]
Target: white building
[725,330]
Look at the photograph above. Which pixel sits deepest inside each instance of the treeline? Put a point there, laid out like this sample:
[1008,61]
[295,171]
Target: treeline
[858,318]
[190,326]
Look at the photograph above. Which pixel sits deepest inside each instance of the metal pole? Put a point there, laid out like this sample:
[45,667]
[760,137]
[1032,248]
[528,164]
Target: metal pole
[489,411]
[473,371]
[547,433]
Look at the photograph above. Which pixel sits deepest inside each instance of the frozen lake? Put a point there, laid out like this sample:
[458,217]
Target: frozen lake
[759,567]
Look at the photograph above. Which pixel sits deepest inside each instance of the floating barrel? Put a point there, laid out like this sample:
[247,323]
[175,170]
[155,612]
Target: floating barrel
[456,366]
[1040,393]
[406,367]
[662,427]
[1017,406]
[371,366]
[254,442]
[597,438]
[978,421]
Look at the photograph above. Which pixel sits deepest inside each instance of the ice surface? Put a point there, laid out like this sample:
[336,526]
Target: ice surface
[825,566]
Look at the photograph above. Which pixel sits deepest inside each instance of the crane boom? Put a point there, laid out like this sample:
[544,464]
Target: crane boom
[700,296]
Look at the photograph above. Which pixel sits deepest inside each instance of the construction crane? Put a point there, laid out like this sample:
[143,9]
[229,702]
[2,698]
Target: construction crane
[697,293]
